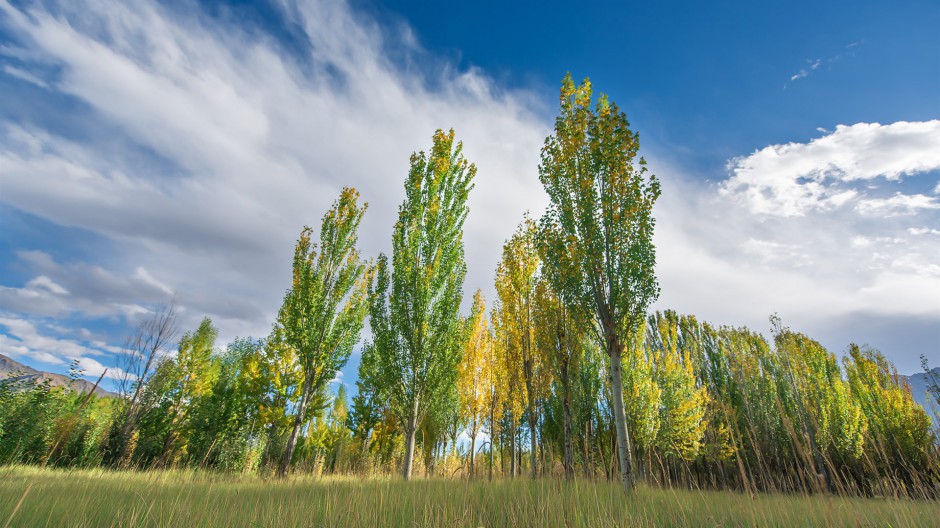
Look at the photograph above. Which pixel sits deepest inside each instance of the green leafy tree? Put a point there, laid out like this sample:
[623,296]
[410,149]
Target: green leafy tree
[516,276]
[226,422]
[596,234]
[324,310]
[193,375]
[560,341]
[683,401]
[900,436]
[368,405]
[415,306]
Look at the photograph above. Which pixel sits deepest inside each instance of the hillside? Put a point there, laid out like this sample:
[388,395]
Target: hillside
[11,369]
[919,383]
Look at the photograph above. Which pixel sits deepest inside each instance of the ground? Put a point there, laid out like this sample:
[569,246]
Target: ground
[45,497]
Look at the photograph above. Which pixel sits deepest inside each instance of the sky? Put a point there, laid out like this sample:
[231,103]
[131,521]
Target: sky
[152,150]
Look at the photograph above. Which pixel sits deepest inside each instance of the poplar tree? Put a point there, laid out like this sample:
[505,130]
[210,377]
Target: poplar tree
[415,299]
[516,277]
[323,311]
[560,341]
[475,373]
[596,234]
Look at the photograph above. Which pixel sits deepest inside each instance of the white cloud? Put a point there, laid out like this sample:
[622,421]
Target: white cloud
[253,144]
[793,179]
[804,72]
[45,282]
[923,231]
[813,65]
[23,340]
[62,289]
[899,204]
[769,252]
[24,75]
[727,253]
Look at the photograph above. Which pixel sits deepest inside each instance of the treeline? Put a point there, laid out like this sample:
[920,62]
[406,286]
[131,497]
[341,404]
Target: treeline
[567,374]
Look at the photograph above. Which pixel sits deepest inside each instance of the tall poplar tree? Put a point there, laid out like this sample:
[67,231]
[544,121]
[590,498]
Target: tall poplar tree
[324,310]
[415,301]
[596,234]
[516,276]
[475,373]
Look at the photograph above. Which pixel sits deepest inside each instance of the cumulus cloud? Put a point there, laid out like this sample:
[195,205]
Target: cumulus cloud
[824,174]
[821,232]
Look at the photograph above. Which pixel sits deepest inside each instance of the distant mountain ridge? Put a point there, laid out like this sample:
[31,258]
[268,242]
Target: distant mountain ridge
[14,370]
[919,383]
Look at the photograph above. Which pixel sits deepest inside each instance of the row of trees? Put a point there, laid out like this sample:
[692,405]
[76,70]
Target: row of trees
[567,373]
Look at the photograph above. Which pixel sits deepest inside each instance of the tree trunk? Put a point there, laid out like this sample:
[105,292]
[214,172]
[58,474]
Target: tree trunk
[493,439]
[473,444]
[512,449]
[519,451]
[566,407]
[588,463]
[490,461]
[410,429]
[527,369]
[409,452]
[627,477]
[364,456]
[295,432]
[532,446]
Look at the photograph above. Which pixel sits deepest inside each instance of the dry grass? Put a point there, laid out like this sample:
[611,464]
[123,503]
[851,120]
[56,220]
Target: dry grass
[187,498]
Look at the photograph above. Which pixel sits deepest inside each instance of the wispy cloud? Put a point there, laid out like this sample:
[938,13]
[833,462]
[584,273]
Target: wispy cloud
[813,65]
[222,144]
[24,75]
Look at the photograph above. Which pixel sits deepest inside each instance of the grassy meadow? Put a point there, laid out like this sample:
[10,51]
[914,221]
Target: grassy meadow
[33,497]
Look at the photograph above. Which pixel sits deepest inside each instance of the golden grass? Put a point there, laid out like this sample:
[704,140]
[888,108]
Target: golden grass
[86,498]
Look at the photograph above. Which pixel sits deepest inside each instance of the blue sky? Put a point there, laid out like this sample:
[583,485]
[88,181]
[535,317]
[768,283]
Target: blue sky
[152,149]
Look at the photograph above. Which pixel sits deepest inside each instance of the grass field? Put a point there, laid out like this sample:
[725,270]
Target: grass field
[172,498]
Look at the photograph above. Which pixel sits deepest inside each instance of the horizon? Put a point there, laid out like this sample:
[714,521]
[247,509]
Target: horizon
[178,150]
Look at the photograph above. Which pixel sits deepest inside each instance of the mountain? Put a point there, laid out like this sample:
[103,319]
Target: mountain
[919,383]
[14,370]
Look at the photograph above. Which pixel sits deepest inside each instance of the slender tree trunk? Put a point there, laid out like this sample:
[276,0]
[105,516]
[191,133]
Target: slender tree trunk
[588,463]
[490,461]
[492,437]
[410,429]
[512,449]
[542,464]
[519,451]
[566,407]
[473,443]
[295,432]
[363,457]
[627,477]
[527,367]
[533,455]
